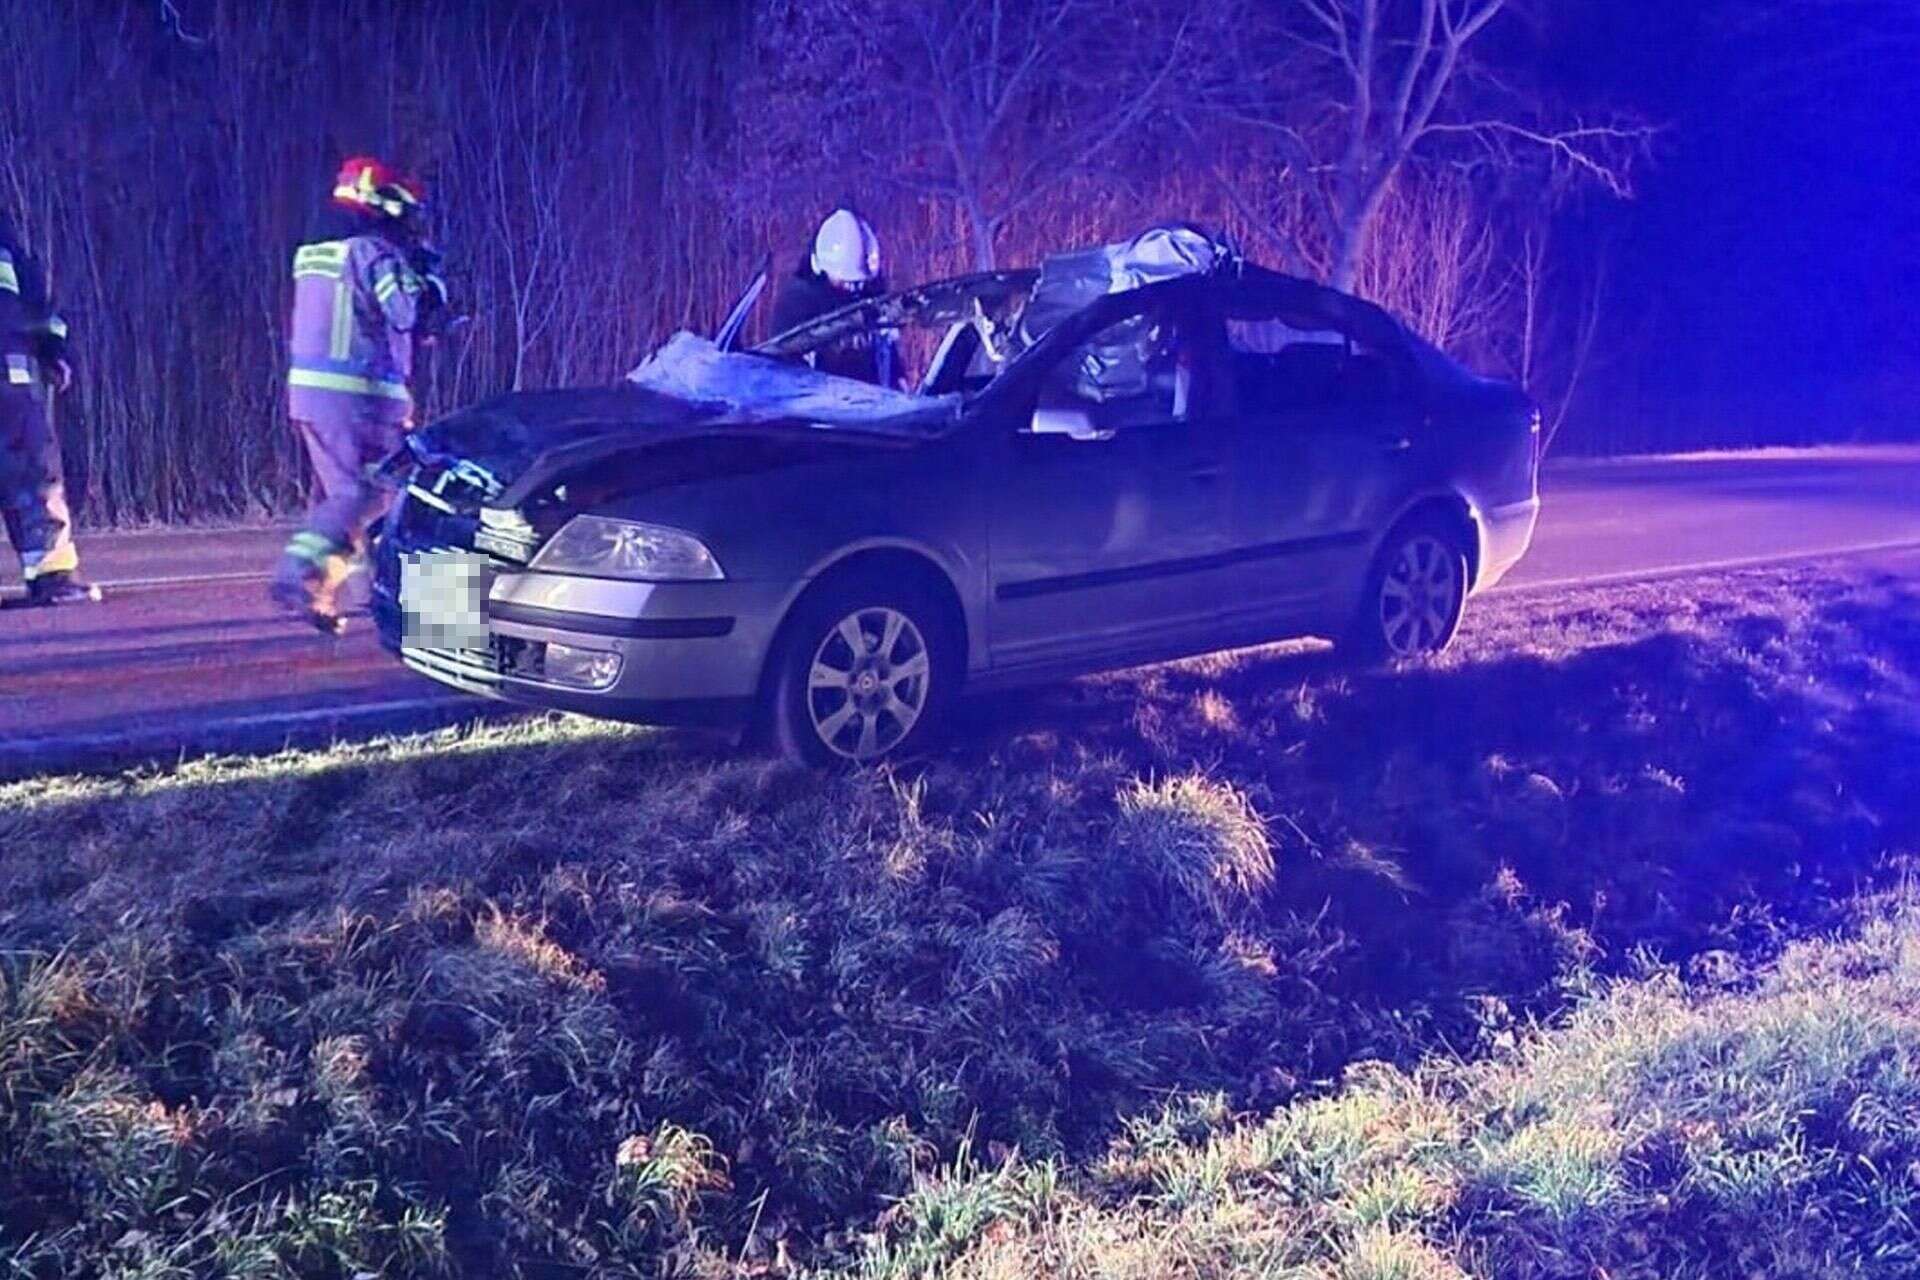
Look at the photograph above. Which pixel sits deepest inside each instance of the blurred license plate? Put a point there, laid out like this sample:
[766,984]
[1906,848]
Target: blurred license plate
[443,599]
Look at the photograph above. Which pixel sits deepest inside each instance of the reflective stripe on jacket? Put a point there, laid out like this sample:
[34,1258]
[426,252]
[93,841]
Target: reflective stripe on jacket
[28,324]
[355,305]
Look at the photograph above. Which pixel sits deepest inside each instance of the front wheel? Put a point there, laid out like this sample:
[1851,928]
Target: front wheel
[864,672]
[1415,596]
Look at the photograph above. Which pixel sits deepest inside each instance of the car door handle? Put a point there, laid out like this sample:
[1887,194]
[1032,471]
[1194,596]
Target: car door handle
[1206,474]
[1396,443]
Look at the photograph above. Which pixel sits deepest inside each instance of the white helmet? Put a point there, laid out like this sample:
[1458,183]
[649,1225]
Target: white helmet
[846,251]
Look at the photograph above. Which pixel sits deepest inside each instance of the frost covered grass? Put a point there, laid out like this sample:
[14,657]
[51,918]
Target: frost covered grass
[560,998]
[1663,1129]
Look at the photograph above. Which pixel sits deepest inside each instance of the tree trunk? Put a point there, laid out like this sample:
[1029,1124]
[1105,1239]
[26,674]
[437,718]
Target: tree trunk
[1357,216]
[983,230]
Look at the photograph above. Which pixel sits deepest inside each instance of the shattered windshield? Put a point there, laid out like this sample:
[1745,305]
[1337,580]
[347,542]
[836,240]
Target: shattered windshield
[951,336]
[735,386]
[932,308]
[955,333]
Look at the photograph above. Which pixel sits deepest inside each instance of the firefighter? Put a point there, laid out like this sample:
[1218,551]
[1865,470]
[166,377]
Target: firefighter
[364,290]
[843,268]
[33,499]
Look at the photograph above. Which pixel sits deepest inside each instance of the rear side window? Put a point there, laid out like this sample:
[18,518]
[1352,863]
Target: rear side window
[1312,372]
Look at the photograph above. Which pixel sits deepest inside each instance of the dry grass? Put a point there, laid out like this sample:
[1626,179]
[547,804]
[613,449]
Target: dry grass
[563,998]
[1664,1130]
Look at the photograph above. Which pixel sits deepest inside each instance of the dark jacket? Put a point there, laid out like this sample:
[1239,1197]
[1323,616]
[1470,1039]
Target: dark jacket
[806,295]
[29,326]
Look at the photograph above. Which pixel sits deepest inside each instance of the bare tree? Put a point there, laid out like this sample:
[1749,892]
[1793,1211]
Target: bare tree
[1350,93]
[166,182]
[1436,259]
[989,105]
[1563,304]
[604,174]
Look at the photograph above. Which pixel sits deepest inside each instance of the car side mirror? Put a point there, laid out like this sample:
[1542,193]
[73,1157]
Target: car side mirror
[1070,421]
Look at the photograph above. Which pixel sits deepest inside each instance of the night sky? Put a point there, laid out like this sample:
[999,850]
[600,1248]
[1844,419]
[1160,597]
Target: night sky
[1767,274]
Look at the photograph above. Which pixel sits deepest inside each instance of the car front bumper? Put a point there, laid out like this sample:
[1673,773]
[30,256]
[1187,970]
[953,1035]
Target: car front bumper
[657,653]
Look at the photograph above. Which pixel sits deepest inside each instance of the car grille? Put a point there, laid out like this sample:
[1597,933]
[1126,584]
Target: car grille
[474,670]
[438,511]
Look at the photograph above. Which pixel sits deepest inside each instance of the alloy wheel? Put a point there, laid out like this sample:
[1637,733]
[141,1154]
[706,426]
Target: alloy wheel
[1420,597]
[868,683]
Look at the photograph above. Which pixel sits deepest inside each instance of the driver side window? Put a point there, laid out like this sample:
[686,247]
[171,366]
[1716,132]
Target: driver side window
[1136,372]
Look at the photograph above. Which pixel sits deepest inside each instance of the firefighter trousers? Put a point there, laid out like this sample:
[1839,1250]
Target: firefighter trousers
[33,497]
[347,502]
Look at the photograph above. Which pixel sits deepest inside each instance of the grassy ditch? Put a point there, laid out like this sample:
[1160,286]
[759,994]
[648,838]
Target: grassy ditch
[1765,1127]
[565,999]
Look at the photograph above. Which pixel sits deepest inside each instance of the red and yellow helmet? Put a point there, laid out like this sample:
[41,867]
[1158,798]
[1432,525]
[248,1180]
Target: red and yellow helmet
[370,185]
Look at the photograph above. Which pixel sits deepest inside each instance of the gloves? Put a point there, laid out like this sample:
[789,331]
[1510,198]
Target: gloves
[435,316]
[424,261]
[436,305]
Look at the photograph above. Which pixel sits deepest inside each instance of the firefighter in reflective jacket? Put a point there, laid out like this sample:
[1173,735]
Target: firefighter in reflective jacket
[364,291]
[33,366]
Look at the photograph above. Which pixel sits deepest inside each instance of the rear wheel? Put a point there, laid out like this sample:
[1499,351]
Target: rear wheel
[1415,597]
[865,672]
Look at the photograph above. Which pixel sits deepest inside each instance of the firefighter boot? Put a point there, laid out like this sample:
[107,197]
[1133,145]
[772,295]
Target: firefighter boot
[308,583]
[59,588]
[309,597]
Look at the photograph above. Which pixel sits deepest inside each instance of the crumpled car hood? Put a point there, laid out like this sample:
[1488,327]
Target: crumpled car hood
[511,445]
[509,433]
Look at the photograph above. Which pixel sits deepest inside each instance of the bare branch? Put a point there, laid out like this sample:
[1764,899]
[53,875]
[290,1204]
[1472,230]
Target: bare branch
[1331,15]
[1030,184]
[1417,55]
[1600,152]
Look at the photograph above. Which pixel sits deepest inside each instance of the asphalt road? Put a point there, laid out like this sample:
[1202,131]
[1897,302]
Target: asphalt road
[187,656]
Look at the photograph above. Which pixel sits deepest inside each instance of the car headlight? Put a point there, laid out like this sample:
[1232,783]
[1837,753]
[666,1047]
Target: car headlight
[607,548]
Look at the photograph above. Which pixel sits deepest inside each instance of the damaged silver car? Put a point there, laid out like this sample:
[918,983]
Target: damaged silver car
[1133,453]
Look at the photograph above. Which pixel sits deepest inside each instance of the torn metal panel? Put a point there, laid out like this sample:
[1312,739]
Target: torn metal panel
[1270,337]
[1070,281]
[1119,362]
[728,335]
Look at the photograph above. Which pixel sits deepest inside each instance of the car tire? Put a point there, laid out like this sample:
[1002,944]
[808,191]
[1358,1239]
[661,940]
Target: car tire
[830,706]
[1415,596]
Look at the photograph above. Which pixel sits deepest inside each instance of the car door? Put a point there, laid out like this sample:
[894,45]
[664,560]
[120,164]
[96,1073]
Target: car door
[1326,436]
[727,337]
[1110,518]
